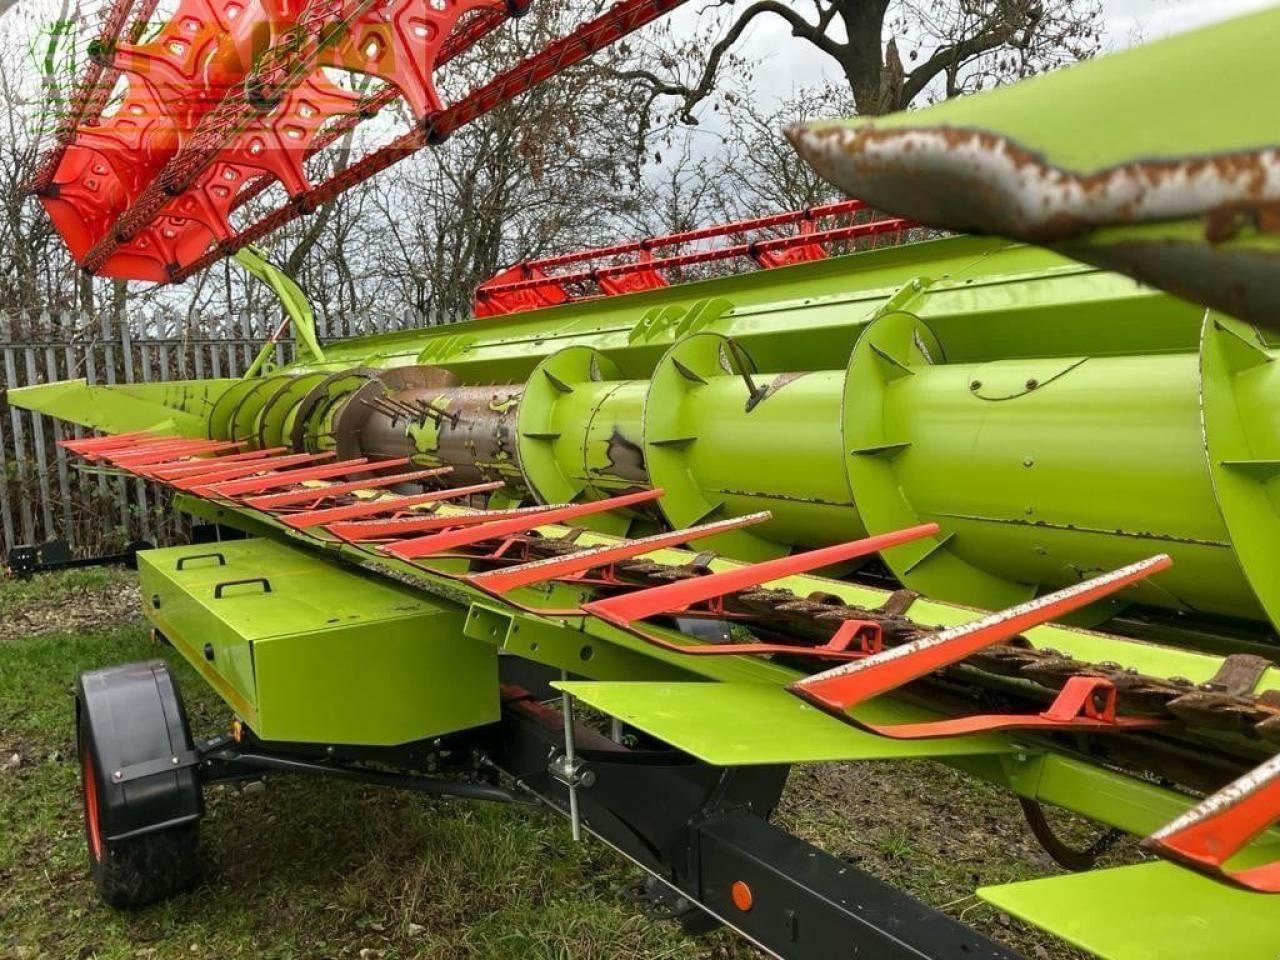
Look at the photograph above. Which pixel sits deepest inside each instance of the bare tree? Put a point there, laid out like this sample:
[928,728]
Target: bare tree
[745,171]
[35,272]
[952,46]
[756,172]
[550,171]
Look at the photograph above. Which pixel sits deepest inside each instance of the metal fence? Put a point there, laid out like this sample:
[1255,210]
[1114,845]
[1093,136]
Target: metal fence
[44,493]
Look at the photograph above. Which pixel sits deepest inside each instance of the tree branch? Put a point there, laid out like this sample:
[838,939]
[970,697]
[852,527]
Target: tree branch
[949,58]
[695,94]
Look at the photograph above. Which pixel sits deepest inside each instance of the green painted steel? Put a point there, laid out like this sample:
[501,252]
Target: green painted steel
[1157,162]
[1054,420]
[770,726]
[740,712]
[1238,389]
[580,431]
[720,450]
[273,424]
[1037,471]
[294,300]
[306,651]
[737,724]
[1032,414]
[809,316]
[1194,118]
[180,407]
[1152,911]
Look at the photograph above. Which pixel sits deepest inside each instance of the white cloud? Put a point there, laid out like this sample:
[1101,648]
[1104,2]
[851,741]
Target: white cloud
[1130,21]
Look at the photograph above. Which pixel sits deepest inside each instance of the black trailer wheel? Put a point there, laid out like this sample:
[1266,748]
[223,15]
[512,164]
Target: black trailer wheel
[139,785]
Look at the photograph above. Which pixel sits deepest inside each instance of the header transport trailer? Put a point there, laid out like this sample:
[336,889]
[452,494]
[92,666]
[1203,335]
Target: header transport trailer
[961,500]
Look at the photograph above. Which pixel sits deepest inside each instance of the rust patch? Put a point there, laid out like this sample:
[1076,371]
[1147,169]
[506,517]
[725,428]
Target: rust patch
[626,459]
[975,180]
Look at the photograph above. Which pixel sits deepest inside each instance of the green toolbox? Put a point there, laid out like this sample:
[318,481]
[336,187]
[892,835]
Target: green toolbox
[306,650]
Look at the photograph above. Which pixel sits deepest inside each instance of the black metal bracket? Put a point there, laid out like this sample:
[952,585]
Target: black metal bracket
[246,582]
[703,833]
[27,560]
[149,768]
[223,759]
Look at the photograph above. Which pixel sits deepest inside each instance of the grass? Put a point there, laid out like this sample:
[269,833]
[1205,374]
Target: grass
[55,589]
[72,601]
[302,869]
[313,869]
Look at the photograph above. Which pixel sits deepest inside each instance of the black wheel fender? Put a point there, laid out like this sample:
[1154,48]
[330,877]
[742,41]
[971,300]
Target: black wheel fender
[147,769]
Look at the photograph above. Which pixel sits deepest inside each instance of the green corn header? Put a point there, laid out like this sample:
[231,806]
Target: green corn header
[972,389]
[820,512]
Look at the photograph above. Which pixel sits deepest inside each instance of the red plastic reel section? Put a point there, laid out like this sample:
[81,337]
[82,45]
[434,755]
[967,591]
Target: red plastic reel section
[798,252]
[277,147]
[400,41]
[176,77]
[633,281]
[199,57]
[534,297]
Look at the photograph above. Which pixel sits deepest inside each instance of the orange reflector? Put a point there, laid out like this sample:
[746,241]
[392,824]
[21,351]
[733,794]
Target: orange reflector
[742,896]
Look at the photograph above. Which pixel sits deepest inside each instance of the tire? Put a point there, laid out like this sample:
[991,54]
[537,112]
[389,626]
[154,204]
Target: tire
[133,871]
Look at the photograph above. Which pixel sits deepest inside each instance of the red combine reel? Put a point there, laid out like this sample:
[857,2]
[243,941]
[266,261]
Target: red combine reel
[231,96]
[632,267]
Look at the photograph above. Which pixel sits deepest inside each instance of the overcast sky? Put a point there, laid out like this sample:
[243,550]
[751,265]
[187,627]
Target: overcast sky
[793,65]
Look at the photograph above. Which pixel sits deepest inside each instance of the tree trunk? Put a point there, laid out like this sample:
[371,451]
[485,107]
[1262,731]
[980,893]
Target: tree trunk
[862,59]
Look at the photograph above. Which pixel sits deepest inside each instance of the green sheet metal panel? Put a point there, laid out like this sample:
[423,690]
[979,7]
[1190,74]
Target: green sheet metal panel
[174,407]
[326,654]
[1156,162]
[510,346]
[736,724]
[1152,911]
[1186,113]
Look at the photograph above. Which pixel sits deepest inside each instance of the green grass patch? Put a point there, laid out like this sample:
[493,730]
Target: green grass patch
[50,590]
[316,869]
[303,869]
